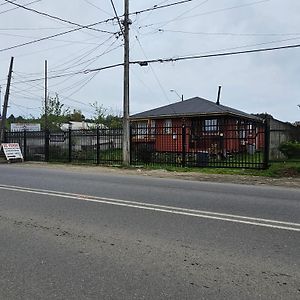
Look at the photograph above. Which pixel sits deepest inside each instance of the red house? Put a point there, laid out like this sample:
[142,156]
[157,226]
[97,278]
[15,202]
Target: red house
[198,125]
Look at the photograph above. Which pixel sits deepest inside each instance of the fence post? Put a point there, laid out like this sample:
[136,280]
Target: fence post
[98,145]
[70,144]
[47,142]
[130,143]
[4,136]
[267,143]
[25,145]
[183,162]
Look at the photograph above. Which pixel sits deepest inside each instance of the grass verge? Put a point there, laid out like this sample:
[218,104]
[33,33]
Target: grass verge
[276,170]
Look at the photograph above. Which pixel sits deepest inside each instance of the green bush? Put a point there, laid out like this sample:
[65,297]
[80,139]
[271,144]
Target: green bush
[290,149]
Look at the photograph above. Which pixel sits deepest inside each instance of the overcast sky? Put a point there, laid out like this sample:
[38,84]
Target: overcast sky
[254,83]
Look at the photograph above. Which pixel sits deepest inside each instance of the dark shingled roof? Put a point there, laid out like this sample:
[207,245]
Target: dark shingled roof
[192,107]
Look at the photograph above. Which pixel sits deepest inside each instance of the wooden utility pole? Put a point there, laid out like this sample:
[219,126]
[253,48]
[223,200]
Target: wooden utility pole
[0,97]
[5,103]
[46,95]
[126,125]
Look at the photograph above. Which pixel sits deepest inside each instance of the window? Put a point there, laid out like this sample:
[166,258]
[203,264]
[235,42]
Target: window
[153,128]
[168,126]
[211,125]
[141,129]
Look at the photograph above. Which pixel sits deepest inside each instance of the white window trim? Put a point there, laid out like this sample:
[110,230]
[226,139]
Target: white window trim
[168,126]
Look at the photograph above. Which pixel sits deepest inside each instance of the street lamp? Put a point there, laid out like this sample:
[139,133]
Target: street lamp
[181,97]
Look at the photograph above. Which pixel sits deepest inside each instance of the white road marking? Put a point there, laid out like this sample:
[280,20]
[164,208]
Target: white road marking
[162,208]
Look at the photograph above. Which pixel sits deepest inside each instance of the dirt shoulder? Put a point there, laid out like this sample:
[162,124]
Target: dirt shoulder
[292,182]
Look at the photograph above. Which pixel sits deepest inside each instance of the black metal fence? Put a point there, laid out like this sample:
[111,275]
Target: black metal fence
[218,145]
[97,146]
[226,144]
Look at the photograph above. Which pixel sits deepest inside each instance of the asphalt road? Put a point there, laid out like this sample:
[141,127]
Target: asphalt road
[66,234]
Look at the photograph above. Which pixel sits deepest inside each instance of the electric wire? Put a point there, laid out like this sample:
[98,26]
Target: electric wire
[56,18]
[174,59]
[97,7]
[163,23]
[78,58]
[31,28]
[11,9]
[54,40]
[55,35]
[40,97]
[90,62]
[19,105]
[80,28]
[153,72]
[228,33]
[155,7]
[5,3]
[116,15]
[162,60]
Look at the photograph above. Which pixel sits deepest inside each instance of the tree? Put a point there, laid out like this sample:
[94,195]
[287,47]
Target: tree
[99,113]
[113,121]
[56,113]
[76,116]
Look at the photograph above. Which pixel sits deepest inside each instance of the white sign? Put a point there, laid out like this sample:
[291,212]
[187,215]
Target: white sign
[17,127]
[59,137]
[12,151]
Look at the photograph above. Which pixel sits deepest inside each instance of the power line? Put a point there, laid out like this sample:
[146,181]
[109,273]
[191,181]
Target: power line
[228,33]
[72,73]
[4,3]
[84,84]
[55,17]
[145,62]
[116,15]
[11,9]
[153,71]
[55,40]
[97,7]
[160,3]
[77,29]
[18,105]
[31,28]
[90,61]
[162,60]
[20,94]
[155,7]
[163,23]
[80,57]
[48,37]
[187,11]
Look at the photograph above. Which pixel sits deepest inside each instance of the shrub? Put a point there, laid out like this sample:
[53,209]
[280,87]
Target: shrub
[290,149]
